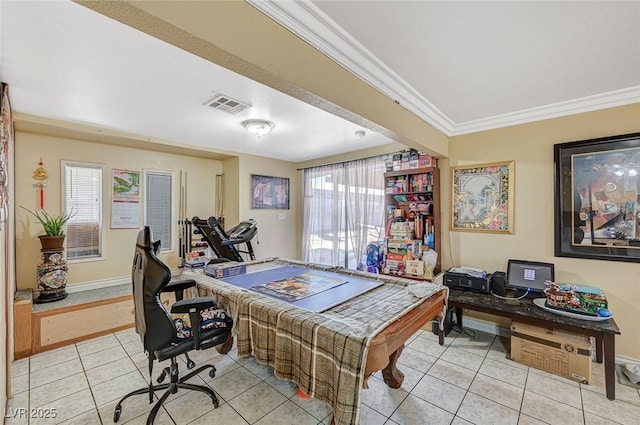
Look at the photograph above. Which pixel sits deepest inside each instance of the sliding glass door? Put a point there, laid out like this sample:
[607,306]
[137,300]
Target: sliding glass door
[343,211]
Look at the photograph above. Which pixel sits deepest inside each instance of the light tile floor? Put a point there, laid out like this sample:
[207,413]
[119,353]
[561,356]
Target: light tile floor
[466,381]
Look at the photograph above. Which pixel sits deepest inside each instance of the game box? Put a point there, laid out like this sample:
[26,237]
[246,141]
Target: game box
[227,269]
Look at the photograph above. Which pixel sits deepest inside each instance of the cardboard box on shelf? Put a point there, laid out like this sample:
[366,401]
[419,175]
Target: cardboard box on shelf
[552,350]
[414,267]
[413,159]
[426,160]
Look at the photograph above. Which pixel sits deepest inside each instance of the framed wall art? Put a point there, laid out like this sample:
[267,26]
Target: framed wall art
[125,199]
[269,192]
[6,144]
[597,190]
[482,197]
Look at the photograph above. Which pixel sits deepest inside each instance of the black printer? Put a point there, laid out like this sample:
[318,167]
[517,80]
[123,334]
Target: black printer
[468,279]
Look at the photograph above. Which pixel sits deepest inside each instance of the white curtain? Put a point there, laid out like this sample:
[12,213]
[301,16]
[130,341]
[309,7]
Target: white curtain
[343,211]
[365,206]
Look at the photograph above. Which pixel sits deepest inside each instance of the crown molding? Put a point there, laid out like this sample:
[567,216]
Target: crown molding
[308,22]
[312,25]
[560,109]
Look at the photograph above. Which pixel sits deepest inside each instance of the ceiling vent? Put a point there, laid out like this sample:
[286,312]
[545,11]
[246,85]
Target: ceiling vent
[225,103]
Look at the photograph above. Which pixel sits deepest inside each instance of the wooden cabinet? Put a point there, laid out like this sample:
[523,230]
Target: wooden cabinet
[413,222]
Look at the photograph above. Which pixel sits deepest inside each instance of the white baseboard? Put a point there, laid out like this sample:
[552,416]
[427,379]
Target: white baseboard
[98,284]
[106,283]
[624,360]
[485,326]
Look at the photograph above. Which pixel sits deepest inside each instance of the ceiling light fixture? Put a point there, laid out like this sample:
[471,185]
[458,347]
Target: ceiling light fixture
[258,127]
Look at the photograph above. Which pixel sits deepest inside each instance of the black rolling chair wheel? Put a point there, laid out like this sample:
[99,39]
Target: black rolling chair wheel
[212,373]
[116,414]
[191,364]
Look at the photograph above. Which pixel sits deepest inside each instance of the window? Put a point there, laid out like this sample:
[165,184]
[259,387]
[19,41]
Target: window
[158,209]
[343,211]
[82,195]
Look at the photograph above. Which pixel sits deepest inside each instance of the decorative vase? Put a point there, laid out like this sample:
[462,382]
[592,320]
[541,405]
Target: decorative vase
[52,270]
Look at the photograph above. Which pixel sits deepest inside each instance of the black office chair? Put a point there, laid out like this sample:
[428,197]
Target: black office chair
[158,331]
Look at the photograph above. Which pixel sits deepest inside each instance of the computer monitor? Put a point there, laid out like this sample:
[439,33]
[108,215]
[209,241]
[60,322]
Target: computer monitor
[529,275]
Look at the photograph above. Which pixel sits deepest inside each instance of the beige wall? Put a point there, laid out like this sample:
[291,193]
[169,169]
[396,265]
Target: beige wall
[230,170]
[277,236]
[30,147]
[531,147]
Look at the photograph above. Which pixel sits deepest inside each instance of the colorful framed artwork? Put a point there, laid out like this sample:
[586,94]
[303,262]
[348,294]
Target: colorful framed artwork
[597,191]
[125,199]
[269,192]
[482,197]
[6,144]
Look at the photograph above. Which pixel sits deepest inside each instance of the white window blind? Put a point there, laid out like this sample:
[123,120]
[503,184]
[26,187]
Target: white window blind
[82,192]
[158,207]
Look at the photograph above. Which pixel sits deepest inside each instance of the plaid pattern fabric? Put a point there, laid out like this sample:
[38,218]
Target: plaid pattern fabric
[323,353]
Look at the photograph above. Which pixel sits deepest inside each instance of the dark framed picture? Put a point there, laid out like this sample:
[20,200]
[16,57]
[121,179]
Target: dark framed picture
[597,191]
[269,193]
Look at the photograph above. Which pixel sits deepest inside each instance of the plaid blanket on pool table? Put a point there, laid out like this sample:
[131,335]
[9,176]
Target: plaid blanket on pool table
[323,353]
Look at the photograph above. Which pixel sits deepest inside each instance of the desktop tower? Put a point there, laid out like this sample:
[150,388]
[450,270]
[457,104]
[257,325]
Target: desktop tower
[499,283]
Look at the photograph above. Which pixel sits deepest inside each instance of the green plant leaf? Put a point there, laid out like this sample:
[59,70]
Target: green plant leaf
[52,225]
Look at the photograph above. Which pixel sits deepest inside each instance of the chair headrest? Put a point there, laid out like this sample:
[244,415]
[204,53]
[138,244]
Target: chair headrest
[144,238]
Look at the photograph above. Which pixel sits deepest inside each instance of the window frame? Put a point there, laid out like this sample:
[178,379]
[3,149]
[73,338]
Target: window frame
[103,212]
[174,207]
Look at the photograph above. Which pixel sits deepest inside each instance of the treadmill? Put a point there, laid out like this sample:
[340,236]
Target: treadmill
[226,245]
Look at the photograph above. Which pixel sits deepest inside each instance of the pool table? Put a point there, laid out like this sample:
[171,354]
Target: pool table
[328,354]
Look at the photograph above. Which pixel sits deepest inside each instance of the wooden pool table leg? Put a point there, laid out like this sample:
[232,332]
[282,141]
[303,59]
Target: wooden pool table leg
[225,347]
[391,374]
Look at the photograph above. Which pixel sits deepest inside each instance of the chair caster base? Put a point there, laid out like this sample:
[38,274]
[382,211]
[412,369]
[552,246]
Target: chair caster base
[116,414]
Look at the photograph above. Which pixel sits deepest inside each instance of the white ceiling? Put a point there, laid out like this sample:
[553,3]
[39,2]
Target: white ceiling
[461,66]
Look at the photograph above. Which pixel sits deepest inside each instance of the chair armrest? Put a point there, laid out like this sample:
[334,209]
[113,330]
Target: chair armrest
[195,304]
[178,287]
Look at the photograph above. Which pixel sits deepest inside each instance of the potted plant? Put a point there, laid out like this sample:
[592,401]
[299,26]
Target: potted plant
[53,226]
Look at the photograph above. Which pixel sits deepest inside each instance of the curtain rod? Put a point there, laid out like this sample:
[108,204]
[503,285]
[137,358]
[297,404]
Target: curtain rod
[344,162]
[352,160]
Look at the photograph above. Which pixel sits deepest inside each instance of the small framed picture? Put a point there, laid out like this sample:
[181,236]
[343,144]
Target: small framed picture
[269,192]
